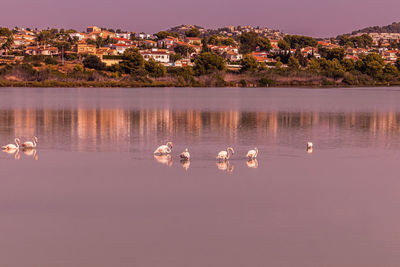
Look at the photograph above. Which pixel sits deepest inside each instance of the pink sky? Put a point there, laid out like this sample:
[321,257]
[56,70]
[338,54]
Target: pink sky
[319,18]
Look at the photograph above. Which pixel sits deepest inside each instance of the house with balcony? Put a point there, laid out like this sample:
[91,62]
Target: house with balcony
[159,55]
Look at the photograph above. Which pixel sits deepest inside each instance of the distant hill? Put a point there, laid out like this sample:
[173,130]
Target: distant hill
[392,28]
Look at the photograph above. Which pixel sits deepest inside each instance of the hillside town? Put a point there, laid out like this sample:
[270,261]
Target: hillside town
[239,48]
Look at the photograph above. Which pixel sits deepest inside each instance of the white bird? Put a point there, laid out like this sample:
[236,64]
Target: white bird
[12,147]
[252,154]
[185,154]
[309,145]
[165,149]
[225,155]
[31,144]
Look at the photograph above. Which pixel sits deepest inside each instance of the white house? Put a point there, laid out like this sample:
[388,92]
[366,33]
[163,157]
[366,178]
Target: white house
[120,48]
[159,55]
[79,35]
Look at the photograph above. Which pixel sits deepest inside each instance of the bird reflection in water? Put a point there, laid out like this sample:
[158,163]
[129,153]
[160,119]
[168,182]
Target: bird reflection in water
[15,152]
[185,163]
[164,159]
[31,152]
[252,163]
[225,166]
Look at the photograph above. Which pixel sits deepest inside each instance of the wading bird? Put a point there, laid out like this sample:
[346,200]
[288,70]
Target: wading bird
[12,147]
[225,155]
[165,149]
[185,155]
[252,154]
[30,144]
[309,147]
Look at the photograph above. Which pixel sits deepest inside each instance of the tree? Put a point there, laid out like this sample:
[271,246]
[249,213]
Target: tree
[397,64]
[300,41]
[331,68]
[193,32]
[344,40]
[390,72]
[5,32]
[248,42]
[45,36]
[94,62]
[78,68]
[155,69]
[184,50]
[132,62]
[348,64]
[50,61]
[249,63]
[175,57]
[371,64]
[313,65]
[228,42]
[264,44]
[162,35]
[208,62]
[330,54]
[214,40]
[7,44]
[283,45]
[293,63]
[204,46]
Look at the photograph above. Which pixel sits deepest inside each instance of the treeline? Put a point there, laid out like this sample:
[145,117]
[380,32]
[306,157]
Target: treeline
[392,28]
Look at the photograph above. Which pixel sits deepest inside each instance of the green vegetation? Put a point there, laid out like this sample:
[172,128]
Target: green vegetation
[392,28]
[250,41]
[362,41]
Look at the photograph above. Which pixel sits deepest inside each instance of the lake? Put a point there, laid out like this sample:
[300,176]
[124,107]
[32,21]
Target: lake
[93,194]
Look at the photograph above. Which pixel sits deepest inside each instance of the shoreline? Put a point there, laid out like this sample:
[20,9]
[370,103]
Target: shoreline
[94,84]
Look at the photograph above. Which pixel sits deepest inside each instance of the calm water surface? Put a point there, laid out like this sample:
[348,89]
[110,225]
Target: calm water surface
[94,195]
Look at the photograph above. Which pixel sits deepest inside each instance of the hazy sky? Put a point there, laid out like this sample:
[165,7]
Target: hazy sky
[319,18]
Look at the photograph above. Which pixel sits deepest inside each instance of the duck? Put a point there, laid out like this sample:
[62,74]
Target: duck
[164,149]
[252,154]
[225,155]
[185,155]
[30,144]
[12,147]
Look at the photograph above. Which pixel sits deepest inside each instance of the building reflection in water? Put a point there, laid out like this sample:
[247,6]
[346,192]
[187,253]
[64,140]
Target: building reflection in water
[119,129]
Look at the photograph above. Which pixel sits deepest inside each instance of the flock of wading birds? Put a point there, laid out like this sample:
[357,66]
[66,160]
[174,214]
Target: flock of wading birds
[163,155]
[27,147]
